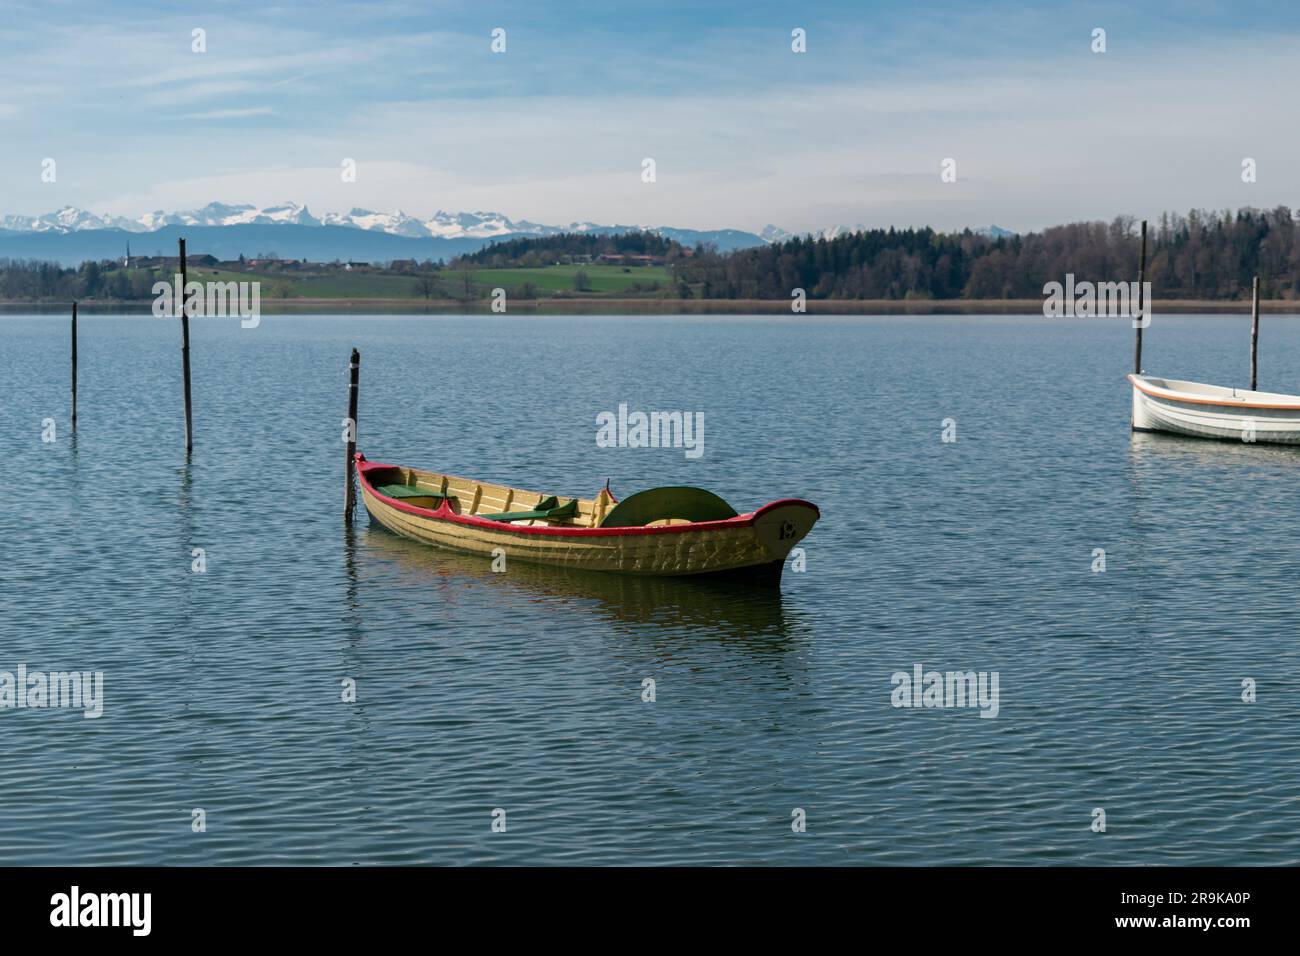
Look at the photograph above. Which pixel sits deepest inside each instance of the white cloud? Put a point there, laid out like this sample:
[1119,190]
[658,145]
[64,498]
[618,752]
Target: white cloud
[1036,142]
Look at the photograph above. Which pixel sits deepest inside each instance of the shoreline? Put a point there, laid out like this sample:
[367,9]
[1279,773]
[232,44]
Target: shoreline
[593,306]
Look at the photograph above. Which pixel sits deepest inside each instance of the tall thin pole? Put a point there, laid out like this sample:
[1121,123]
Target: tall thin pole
[74,366]
[354,368]
[1254,336]
[185,354]
[1142,278]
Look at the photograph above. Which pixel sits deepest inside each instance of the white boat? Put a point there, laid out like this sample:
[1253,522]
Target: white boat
[1212,411]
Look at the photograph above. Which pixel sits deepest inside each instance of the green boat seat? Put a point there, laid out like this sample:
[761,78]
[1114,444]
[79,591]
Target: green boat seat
[546,508]
[409,491]
[656,504]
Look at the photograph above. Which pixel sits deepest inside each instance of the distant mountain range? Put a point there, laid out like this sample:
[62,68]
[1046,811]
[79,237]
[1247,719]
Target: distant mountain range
[445,225]
[70,235]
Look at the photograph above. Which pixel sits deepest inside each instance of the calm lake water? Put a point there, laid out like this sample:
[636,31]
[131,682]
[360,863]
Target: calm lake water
[1119,690]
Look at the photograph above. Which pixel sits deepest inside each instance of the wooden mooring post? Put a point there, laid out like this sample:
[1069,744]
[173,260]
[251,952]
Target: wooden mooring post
[74,366]
[349,500]
[1142,277]
[185,353]
[1254,336]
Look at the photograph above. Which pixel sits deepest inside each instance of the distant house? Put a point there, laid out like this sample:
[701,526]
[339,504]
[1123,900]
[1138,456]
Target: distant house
[279,264]
[403,265]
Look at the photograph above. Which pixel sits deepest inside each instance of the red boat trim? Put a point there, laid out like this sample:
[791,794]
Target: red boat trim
[1171,395]
[444,513]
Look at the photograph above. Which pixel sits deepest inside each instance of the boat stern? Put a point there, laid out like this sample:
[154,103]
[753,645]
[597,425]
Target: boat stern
[783,524]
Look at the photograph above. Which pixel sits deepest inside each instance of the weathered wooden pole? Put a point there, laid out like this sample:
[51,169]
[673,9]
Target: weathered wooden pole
[185,354]
[1142,277]
[349,501]
[1254,336]
[74,366]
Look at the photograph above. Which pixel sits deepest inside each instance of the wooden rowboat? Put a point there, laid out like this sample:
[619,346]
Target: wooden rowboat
[1213,411]
[662,531]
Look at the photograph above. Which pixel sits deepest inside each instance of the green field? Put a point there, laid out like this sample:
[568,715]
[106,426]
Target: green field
[603,278]
[546,281]
[324,285]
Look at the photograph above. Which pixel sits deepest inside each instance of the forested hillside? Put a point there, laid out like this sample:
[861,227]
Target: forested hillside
[1203,255]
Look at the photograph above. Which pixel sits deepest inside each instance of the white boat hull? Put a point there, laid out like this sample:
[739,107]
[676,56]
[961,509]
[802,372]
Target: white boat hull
[1212,411]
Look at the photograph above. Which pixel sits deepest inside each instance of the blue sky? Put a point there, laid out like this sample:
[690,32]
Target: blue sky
[743,131]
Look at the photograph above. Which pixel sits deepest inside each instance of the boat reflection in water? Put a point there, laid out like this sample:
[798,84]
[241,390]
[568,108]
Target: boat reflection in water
[1153,453]
[754,617]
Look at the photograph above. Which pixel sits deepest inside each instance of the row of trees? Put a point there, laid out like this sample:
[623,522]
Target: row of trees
[44,281]
[1203,255]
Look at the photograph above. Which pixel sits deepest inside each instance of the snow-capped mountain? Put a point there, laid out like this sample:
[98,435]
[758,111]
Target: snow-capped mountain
[446,225]
[72,219]
[774,234]
[71,236]
[68,219]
